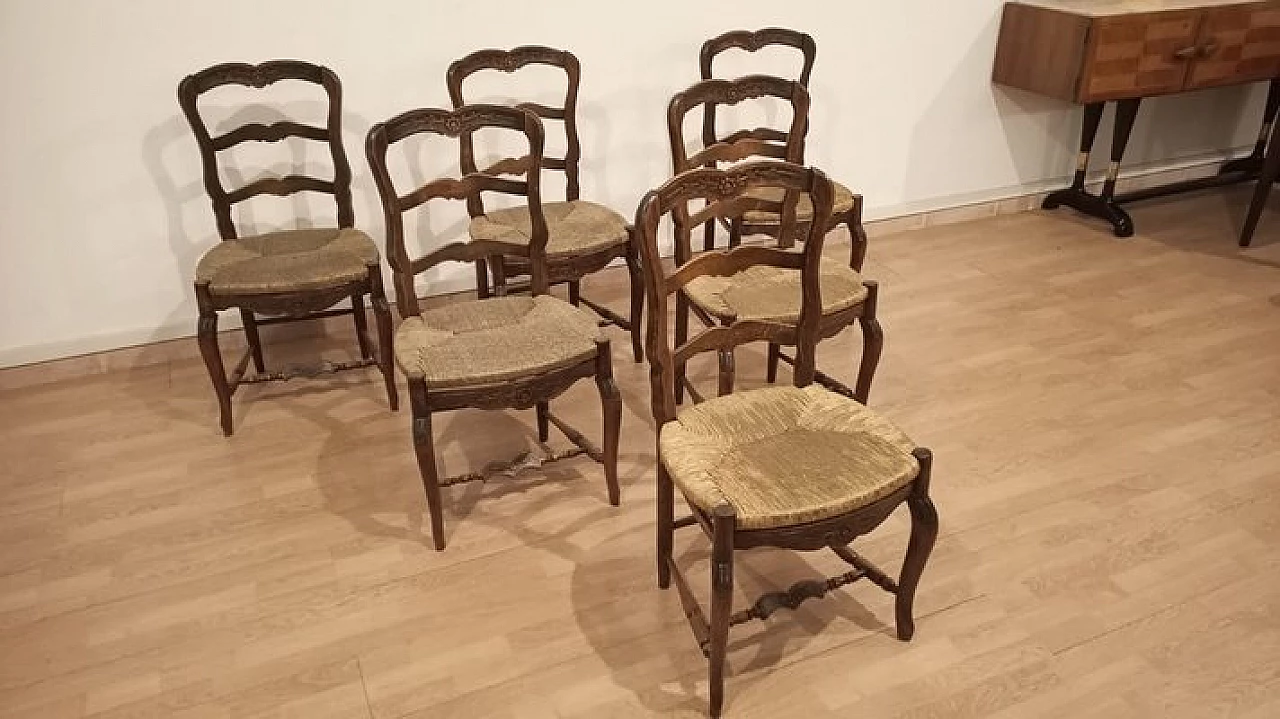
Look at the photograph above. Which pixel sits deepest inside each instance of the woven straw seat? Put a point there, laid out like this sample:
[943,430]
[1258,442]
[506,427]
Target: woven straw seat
[573,228]
[764,292]
[783,456]
[287,261]
[489,341]
[841,202]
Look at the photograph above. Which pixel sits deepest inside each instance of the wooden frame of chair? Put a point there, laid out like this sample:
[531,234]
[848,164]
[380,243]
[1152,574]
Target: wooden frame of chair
[561,270]
[754,41]
[759,143]
[279,306]
[520,393]
[722,190]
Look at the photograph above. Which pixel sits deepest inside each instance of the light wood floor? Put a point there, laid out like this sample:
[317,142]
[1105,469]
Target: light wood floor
[1106,421]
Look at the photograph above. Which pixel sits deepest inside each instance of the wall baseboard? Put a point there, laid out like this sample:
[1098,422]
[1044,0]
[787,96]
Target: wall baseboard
[174,343]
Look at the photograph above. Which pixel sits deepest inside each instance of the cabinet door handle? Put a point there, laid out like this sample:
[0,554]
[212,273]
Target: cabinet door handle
[1186,53]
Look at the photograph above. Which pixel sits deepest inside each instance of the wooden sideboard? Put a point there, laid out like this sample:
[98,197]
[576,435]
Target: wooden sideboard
[1093,52]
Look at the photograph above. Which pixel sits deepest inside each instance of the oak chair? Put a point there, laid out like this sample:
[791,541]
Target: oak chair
[765,293]
[847,208]
[287,275]
[584,236]
[511,351]
[797,467]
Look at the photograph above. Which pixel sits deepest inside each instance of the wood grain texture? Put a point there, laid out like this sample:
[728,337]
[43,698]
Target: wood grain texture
[1139,55]
[1104,417]
[1041,50]
[1090,51]
[1240,43]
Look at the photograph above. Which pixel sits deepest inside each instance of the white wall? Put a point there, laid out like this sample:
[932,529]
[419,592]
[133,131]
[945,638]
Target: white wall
[102,214]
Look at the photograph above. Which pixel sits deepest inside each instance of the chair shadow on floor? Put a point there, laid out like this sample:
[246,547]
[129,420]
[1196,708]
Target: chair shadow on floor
[1167,221]
[630,636]
[369,475]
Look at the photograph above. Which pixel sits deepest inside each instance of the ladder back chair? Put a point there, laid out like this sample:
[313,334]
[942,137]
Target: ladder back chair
[847,209]
[767,292]
[512,351]
[754,41]
[797,467]
[286,275]
[584,236]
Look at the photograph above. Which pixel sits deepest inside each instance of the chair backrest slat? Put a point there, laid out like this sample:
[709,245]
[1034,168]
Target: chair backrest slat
[754,41]
[734,148]
[721,190]
[457,124]
[509,61]
[260,76]
[711,93]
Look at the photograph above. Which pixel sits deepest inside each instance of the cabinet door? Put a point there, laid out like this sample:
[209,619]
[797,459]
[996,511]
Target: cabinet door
[1139,55]
[1237,44]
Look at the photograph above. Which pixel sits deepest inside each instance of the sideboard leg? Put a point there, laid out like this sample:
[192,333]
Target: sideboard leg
[1126,113]
[1076,197]
[1252,164]
[1088,131]
[1266,177]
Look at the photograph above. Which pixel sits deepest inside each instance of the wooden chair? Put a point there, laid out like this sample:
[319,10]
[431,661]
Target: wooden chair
[585,236]
[847,209]
[754,41]
[762,292]
[797,467]
[288,275]
[497,352]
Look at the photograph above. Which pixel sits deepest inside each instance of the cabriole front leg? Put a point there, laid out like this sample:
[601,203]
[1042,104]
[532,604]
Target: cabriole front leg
[611,406]
[924,532]
[207,338]
[872,342]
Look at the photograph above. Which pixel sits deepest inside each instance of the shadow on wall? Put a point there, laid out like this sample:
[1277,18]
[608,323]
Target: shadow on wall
[183,193]
[1042,135]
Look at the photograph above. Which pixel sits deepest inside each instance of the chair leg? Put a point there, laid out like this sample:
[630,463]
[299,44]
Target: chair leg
[771,369]
[499,277]
[575,292]
[682,335]
[666,525]
[544,421]
[857,240]
[386,342]
[611,407]
[872,343]
[637,301]
[207,336]
[709,236]
[723,525]
[726,372]
[424,450]
[924,532]
[250,324]
[482,279]
[362,325]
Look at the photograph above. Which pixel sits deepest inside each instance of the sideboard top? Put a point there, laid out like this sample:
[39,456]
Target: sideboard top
[1104,8]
